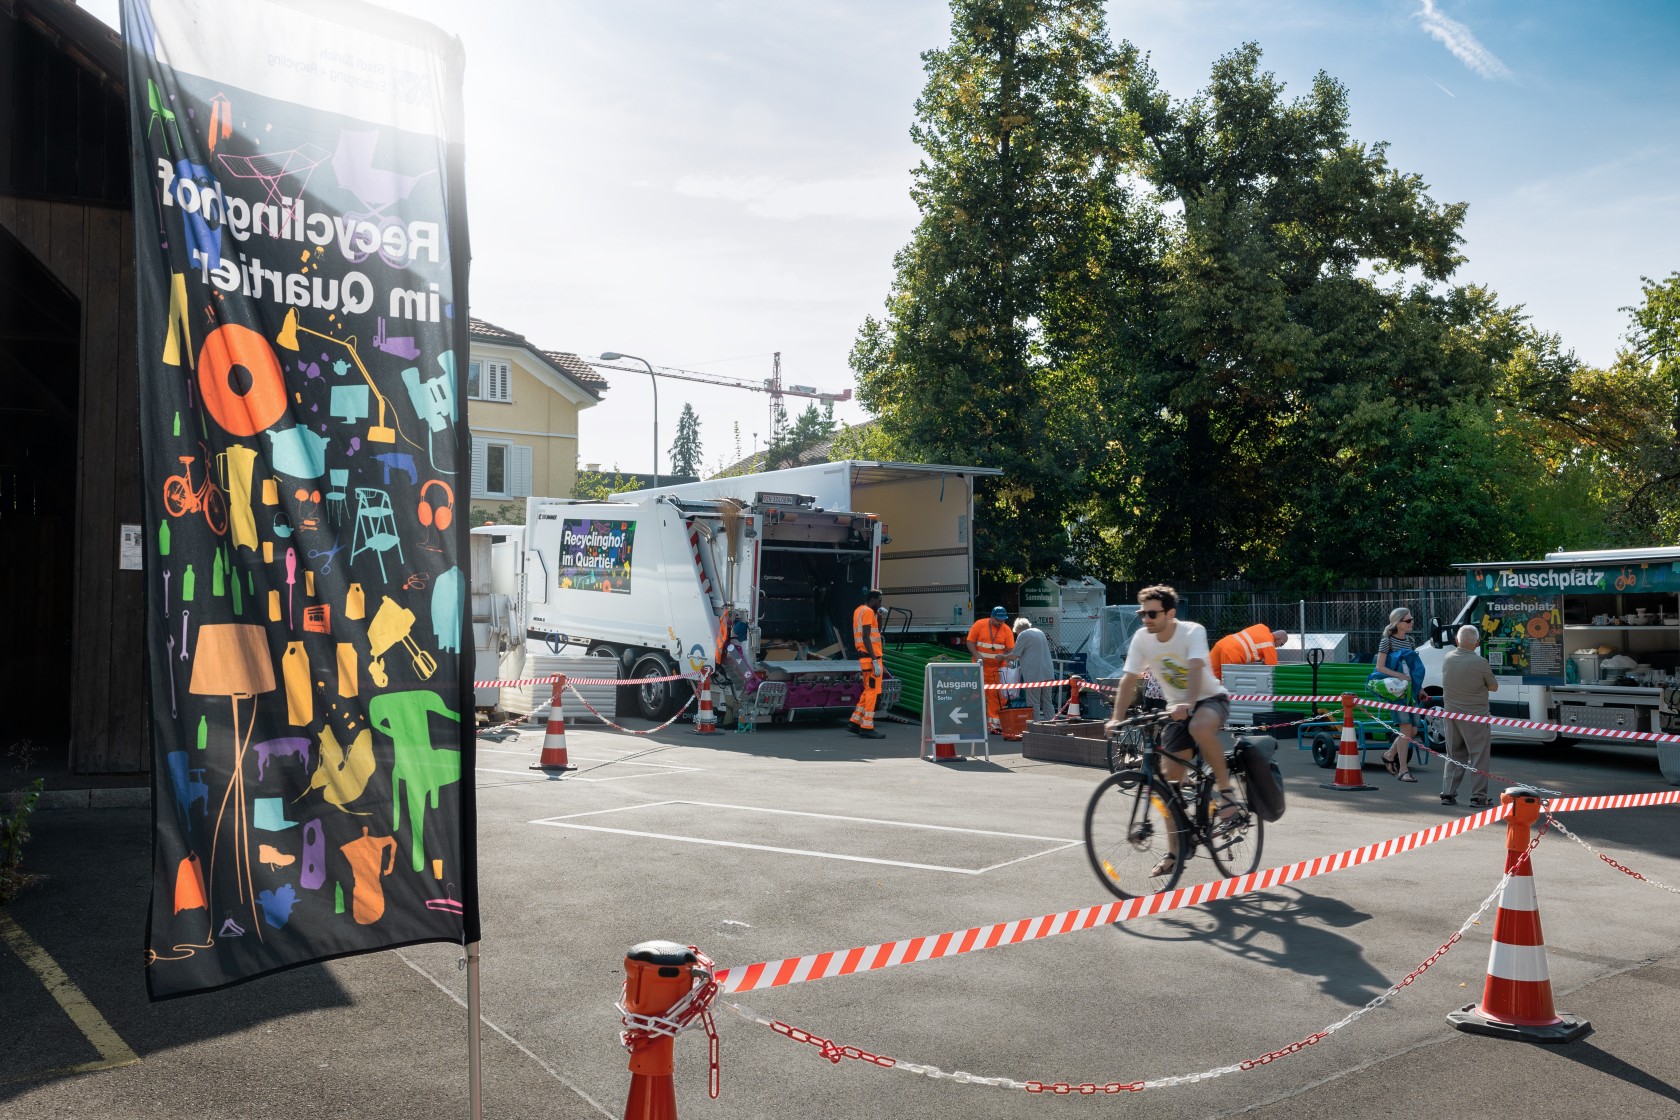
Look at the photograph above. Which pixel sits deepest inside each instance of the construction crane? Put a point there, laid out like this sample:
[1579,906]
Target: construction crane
[772,385]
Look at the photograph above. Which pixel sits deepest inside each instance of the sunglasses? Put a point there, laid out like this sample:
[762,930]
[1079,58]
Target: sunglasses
[1151,614]
[1408,618]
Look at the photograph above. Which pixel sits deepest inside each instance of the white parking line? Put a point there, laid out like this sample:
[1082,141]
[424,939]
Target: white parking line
[568,821]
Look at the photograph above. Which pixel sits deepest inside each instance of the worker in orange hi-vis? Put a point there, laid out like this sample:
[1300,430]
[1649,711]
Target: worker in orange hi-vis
[866,637]
[1256,645]
[989,642]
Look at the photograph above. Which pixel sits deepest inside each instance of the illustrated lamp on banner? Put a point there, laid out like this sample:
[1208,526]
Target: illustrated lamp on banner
[613,356]
[232,660]
[288,339]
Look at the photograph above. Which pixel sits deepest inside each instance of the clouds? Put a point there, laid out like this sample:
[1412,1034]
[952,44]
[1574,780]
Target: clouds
[1460,41]
[880,196]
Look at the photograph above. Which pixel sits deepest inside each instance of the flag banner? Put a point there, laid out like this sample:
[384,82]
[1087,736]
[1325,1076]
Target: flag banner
[301,272]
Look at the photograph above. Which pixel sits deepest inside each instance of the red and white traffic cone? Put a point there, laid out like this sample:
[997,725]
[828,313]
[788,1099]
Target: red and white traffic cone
[1517,998]
[1350,760]
[705,720]
[1073,698]
[553,759]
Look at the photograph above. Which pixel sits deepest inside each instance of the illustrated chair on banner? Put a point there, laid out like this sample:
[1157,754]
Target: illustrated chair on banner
[376,527]
[336,493]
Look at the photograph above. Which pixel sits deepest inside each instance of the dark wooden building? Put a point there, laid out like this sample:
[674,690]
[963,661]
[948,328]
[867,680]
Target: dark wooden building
[71,620]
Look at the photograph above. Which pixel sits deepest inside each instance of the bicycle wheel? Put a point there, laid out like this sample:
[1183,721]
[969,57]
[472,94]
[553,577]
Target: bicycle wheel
[1131,825]
[1125,749]
[215,510]
[177,495]
[1235,845]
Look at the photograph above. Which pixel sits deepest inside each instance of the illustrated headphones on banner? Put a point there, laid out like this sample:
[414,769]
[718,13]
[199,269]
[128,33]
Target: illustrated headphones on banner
[438,516]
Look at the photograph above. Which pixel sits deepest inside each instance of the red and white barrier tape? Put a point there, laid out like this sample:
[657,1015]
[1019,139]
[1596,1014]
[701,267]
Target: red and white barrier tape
[585,680]
[1441,713]
[869,958]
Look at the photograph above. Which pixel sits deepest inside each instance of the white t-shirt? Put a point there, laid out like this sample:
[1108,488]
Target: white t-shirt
[1168,662]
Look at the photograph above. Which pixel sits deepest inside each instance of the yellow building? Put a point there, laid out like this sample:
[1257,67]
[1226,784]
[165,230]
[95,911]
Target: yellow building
[523,405]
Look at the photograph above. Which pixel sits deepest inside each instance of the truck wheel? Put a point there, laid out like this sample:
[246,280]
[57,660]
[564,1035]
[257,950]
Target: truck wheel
[655,702]
[1324,750]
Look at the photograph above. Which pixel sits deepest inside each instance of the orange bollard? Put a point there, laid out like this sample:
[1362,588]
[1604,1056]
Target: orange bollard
[1517,998]
[553,760]
[705,720]
[1073,697]
[1350,760]
[658,975]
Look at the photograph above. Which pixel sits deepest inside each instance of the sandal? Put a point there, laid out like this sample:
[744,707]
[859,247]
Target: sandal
[1165,867]
[1230,808]
[1407,777]
[1392,765]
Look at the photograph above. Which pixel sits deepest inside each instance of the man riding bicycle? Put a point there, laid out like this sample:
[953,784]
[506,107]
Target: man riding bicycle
[1176,655]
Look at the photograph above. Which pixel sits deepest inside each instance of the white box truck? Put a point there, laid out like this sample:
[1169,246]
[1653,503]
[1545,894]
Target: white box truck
[1578,639]
[647,580]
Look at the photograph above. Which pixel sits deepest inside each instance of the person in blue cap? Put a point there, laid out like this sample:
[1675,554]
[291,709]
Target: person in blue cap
[989,643]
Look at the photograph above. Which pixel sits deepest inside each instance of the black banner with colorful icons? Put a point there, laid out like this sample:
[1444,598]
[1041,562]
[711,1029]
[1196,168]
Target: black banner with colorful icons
[300,264]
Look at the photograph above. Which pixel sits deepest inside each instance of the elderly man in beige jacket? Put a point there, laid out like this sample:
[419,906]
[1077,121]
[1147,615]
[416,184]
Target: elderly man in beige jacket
[1466,680]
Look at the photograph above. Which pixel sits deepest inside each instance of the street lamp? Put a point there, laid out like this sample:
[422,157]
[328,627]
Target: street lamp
[613,356]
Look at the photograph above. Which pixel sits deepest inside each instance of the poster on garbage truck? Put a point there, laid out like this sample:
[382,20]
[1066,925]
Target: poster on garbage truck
[300,271]
[595,554]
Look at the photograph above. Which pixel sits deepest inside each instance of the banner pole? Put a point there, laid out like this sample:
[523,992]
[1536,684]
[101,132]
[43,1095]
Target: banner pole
[475,1078]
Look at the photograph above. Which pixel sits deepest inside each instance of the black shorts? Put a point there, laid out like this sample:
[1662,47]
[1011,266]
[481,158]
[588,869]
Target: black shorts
[1175,736]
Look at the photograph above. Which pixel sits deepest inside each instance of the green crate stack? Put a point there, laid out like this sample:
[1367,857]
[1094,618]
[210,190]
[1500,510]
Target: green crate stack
[1334,678]
[908,663]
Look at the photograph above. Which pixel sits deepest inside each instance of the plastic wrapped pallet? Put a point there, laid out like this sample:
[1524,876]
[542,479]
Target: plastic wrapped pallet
[533,699]
[1248,680]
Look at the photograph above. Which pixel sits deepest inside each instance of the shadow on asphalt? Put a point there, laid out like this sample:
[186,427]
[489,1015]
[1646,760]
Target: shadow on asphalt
[1282,929]
[1586,1054]
[89,915]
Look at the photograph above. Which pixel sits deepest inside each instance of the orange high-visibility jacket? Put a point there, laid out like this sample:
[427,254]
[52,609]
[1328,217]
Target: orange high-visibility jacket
[865,616]
[1243,648]
[994,637]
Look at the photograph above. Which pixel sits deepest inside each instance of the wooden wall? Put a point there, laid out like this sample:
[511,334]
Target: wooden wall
[90,250]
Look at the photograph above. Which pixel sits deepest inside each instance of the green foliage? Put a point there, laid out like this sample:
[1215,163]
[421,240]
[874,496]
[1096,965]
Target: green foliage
[14,833]
[811,429]
[1220,336]
[685,451]
[598,486]
[976,361]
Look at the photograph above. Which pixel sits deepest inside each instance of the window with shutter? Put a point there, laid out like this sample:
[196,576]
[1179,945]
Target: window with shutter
[478,457]
[490,381]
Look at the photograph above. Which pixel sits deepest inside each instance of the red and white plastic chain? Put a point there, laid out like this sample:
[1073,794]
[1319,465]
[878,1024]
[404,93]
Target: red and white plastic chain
[1448,760]
[835,1052]
[1625,870]
[626,730]
[696,1006]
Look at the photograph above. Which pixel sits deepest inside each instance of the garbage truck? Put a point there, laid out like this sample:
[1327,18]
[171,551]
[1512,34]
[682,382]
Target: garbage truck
[653,582]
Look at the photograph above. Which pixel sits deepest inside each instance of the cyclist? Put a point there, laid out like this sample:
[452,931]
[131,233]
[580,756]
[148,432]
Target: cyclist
[1176,655]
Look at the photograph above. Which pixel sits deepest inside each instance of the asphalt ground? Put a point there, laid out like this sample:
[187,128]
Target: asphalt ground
[798,840]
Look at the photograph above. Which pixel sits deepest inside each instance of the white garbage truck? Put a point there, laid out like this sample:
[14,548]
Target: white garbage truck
[654,581]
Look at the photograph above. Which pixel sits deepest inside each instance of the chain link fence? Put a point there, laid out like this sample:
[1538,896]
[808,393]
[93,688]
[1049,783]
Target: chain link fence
[1360,613]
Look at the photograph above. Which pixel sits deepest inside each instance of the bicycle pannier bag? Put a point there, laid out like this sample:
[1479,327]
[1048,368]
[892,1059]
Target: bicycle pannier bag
[1265,780]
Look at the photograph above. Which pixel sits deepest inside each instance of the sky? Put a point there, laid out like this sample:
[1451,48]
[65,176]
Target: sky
[704,183]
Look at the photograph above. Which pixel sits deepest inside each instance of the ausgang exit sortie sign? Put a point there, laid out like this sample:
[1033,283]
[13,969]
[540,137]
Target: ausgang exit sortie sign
[953,703]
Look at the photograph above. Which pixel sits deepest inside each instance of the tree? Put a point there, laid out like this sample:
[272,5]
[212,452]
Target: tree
[685,451]
[598,486]
[1303,394]
[810,430]
[971,362]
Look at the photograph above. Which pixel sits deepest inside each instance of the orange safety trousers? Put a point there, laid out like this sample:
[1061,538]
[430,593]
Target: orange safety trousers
[863,716]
